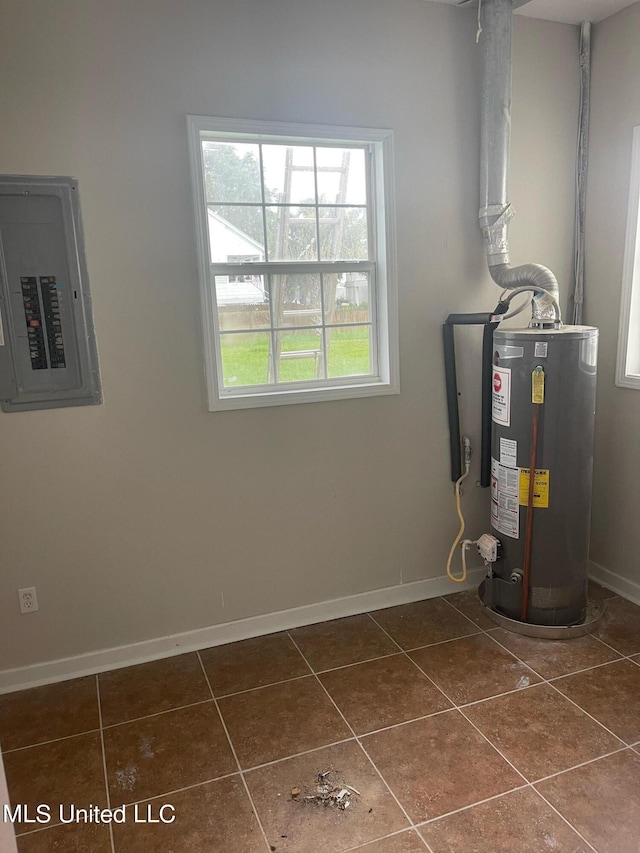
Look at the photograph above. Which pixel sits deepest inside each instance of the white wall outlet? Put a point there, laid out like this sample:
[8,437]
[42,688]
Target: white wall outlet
[28,599]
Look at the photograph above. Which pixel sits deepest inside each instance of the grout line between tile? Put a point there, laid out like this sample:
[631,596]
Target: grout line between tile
[356,663]
[157,714]
[549,683]
[424,841]
[297,754]
[473,805]
[180,790]
[405,722]
[562,817]
[358,741]
[263,686]
[429,645]
[104,763]
[47,742]
[563,675]
[585,669]
[528,783]
[581,764]
[235,756]
[591,717]
[595,637]
[526,787]
[457,708]
[457,609]
[163,795]
[500,753]
[499,695]
[382,838]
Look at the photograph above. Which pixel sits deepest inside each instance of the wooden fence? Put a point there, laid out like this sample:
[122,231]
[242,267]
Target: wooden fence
[257,316]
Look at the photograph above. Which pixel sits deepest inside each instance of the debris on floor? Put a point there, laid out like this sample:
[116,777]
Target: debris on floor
[328,790]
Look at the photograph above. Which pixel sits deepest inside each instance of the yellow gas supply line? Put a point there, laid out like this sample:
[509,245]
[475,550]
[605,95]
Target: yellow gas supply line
[467,466]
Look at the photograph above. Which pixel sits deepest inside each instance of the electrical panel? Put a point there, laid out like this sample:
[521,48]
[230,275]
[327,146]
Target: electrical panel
[48,355]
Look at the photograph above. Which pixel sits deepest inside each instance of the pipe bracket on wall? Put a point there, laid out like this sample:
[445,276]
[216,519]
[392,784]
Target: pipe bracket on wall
[490,324]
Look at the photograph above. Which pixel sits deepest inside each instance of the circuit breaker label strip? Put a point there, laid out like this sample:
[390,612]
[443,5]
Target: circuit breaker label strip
[51,304]
[33,318]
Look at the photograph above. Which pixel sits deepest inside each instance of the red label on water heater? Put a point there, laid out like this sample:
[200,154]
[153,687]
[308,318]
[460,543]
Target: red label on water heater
[501,396]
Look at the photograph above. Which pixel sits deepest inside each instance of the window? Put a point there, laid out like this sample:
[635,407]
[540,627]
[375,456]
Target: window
[628,368]
[296,254]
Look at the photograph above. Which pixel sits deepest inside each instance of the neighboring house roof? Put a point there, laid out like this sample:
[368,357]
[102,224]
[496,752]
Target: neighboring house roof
[238,292]
[226,241]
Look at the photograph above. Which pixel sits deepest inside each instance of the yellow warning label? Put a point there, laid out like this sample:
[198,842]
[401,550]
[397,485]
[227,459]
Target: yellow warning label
[540,487]
[537,385]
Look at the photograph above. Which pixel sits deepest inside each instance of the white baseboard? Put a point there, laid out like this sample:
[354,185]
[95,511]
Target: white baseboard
[623,586]
[229,632]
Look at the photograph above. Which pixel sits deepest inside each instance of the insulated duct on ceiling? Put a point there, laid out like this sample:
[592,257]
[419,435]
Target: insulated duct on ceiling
[495,137]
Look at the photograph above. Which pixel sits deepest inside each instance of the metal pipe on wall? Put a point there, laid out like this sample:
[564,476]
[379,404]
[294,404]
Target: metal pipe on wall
[495,141]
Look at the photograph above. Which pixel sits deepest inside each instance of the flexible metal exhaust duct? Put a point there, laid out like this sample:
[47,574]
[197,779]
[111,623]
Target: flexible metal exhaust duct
[495,136]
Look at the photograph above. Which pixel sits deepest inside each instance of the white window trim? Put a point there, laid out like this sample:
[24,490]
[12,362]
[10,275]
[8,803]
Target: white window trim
[385,311]
[628,363]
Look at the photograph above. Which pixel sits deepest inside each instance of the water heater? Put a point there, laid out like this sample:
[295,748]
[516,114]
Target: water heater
[543,411]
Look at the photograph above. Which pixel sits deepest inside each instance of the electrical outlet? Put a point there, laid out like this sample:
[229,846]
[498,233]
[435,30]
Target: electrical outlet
[28,599]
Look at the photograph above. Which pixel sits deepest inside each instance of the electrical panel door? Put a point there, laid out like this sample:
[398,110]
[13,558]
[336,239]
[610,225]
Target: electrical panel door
[48,355]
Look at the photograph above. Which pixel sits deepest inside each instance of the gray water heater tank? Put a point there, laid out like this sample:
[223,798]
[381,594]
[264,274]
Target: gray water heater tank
[553,371]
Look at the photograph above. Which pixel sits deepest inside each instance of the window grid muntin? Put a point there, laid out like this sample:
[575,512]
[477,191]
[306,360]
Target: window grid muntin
[264,204]
[285,268]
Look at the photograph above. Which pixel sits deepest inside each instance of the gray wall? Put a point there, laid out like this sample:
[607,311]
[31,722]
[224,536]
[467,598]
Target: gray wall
[615,111]
[149,515]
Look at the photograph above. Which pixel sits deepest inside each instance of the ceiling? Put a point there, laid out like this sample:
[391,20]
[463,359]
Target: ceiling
[566,11]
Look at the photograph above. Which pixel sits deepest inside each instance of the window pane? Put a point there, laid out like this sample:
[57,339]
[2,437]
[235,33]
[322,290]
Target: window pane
[242,302]
[231,171]
[235,234]
[352,298]
[343,234]
[349,351]
[291,234]
[245,358]
[301,355]
[342,176]
[288,174]
[296,300]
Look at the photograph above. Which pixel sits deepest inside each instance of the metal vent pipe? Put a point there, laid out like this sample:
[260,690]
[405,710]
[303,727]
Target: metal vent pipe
[495,137]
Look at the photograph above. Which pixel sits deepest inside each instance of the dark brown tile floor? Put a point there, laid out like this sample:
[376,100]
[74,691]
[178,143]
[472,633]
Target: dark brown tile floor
[451,736]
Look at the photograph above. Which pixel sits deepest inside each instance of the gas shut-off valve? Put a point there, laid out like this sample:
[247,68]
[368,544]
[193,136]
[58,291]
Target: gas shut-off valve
[489,548]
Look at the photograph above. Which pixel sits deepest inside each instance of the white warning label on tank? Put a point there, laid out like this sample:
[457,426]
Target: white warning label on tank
[541,349]
[505,504]
[501,395]
[505,521]
[506,352]
[508,480]
[509,452]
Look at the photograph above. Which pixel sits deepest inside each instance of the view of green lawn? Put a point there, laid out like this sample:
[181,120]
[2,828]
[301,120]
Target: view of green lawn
[245,357]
